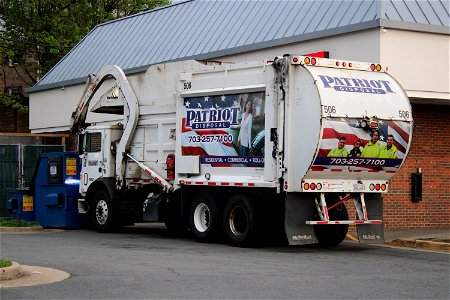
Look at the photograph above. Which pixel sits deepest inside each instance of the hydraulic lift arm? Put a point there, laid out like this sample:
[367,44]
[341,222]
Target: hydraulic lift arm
[78,119]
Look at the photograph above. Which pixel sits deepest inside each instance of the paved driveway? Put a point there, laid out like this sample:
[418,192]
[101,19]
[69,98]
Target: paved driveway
[147,263]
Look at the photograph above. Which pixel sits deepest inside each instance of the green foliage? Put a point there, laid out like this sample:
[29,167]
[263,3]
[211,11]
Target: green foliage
[17,223]
[5,263]
[38,33]
[14,102]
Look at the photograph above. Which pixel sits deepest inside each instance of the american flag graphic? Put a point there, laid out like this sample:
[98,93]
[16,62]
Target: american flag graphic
[352,130]
[208,102]
[210,128]
[192,144]
[333,130]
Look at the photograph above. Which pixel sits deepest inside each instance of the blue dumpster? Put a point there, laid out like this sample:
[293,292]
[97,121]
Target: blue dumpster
[20,204]
[56,184]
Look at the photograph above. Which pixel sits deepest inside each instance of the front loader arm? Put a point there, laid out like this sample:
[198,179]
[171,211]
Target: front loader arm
[130,120]
[77,121]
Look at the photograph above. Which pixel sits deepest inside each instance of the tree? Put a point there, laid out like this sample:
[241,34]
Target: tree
[38,33]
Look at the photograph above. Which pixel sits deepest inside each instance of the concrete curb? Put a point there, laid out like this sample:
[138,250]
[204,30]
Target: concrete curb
[407,243]
[33,275]
[17,275]
[12,272]
[421,244]
[21,229]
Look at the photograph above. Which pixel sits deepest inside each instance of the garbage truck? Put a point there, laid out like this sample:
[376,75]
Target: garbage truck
[245,151]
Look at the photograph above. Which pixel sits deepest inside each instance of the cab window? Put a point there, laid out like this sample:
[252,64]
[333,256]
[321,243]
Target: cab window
[93,142]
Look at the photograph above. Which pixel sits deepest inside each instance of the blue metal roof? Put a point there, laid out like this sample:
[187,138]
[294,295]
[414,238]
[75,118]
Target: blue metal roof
[203,29]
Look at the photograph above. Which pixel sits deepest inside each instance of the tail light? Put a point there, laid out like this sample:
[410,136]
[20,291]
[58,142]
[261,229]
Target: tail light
[170,162]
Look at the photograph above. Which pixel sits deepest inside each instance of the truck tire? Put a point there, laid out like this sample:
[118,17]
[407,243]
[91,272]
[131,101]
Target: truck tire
[240,221]
[204,217]
[102,214]
[333,235]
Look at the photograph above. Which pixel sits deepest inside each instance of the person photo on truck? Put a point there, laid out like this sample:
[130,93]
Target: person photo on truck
[388,151]
[356,151]
[373,147]
[245,133]
[340,150]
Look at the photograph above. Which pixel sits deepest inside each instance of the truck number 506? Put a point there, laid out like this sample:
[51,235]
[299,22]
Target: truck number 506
[404,114]
[187,85]
[328,109]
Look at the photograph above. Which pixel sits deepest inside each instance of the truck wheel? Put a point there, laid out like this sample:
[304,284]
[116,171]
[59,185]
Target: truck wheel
[203,217]
[103,212]
[239,221]
[333,235]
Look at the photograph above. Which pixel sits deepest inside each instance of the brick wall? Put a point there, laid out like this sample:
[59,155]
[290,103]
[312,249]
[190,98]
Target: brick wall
[430,151]
[13,121]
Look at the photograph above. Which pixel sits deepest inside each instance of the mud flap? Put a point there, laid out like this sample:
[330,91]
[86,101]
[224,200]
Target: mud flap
[299,207]
[372,233]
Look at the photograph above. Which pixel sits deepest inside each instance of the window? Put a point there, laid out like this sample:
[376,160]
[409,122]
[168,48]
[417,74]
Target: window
[94,142]
[14,90]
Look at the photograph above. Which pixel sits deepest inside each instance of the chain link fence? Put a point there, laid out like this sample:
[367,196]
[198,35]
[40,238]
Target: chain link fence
[17,164]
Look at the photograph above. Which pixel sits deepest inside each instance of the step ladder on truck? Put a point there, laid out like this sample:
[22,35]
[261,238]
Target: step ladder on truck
[244,151]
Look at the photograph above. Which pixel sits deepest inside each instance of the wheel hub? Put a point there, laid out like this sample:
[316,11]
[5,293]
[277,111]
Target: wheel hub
[238,220]
[101,212]
[202,217]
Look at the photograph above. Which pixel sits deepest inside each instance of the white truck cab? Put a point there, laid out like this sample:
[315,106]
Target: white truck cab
[97,152]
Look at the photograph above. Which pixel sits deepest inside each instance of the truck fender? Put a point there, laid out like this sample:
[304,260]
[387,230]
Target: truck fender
[106,184]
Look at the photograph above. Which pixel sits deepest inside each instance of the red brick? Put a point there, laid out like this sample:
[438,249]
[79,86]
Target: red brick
[430,151]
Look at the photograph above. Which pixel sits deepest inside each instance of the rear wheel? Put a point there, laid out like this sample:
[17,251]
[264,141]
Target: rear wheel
[333,235]
[240,221]
[103,214]
[203,217]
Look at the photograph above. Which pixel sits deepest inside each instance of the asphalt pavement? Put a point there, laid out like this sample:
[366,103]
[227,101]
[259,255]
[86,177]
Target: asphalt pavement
[106,265]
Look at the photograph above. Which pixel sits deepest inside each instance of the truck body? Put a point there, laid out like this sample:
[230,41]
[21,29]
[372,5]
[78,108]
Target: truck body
[248,151]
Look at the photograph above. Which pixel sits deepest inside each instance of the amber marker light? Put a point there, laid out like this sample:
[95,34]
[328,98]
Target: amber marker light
[307,60]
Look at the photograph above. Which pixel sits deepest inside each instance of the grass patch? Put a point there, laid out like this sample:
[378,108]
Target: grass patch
[5,263]
[17,223]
